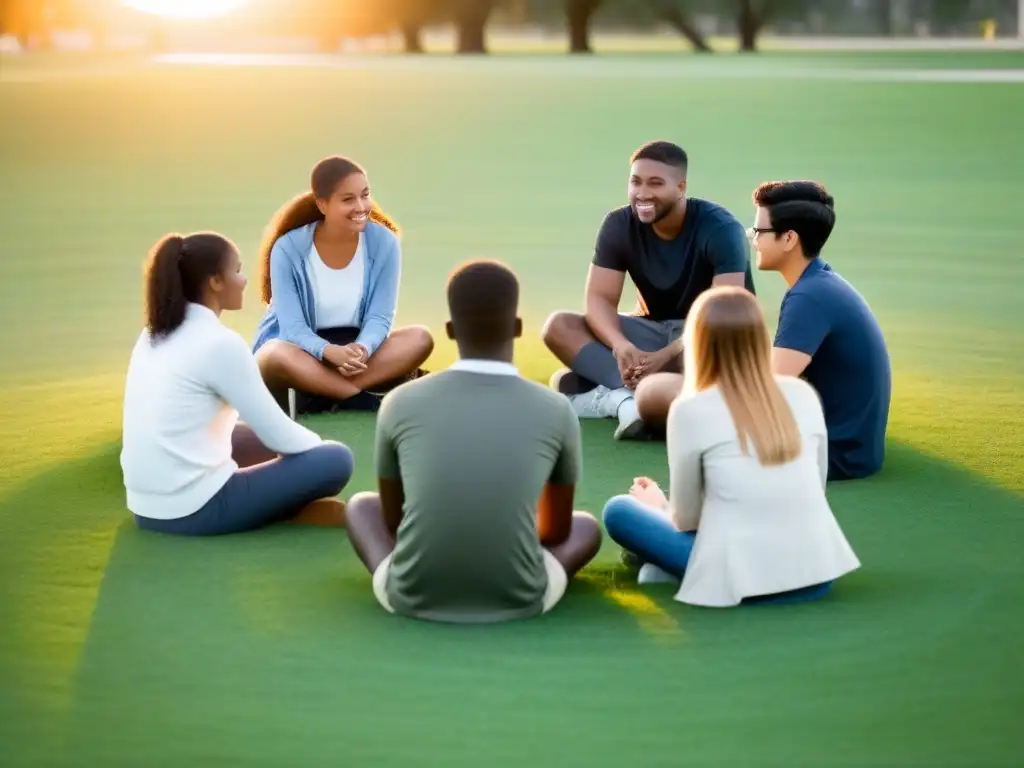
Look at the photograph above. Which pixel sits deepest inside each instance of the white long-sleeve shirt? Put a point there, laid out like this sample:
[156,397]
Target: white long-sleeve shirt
[183,397]
[762,530]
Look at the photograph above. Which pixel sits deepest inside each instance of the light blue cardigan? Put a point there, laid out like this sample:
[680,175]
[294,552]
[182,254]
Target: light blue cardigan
[291,315]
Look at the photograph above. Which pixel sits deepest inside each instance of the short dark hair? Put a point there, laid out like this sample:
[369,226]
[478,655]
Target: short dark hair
[803,207]
[177,270]
[483,301]
[663,152]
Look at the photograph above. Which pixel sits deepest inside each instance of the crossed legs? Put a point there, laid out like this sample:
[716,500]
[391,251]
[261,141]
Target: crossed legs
[373,542]
[285,366]
[268,488]
[593,382]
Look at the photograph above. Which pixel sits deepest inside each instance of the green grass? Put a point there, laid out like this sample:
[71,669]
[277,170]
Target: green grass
[119,648]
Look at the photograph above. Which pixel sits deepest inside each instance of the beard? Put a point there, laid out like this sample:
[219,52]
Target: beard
[661,210]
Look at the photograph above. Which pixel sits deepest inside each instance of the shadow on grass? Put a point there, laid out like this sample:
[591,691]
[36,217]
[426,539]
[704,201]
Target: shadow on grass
[270,647]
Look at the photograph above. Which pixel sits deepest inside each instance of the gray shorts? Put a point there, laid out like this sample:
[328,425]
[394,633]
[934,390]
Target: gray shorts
[650,335]
[595,363]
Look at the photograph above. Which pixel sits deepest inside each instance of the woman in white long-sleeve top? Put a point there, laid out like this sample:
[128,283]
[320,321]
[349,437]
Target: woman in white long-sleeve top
[746,518]
[190,381]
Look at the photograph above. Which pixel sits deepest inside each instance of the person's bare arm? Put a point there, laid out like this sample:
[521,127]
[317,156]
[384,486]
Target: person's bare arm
[392,502]
[658,360]
[738,279]
[554,513]
[789,362]
[389,470]
[555,506]
[603,293]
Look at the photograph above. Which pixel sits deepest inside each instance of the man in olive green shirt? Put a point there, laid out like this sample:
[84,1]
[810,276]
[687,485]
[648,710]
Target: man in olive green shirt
[477,471]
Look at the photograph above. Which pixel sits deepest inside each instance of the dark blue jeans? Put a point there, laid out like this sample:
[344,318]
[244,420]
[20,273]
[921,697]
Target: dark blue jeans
[266,493]
[654,538]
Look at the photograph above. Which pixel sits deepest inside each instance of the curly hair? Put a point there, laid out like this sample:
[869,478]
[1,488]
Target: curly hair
[302,210]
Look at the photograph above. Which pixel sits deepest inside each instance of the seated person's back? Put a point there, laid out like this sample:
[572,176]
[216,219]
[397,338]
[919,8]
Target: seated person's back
[763,529]
[746,517]
[190,466]
[474,445]
[477,470]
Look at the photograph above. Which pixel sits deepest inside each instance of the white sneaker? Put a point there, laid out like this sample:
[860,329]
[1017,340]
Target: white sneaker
[599,403]
[631,426]
[652,574]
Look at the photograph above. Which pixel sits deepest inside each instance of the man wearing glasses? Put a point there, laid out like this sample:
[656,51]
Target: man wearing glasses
[827,333]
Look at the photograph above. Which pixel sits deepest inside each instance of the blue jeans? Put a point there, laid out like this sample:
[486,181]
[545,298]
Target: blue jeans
[654,538]
[266,493]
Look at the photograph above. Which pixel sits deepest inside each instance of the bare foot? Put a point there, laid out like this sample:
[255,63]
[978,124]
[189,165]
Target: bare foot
[326,513]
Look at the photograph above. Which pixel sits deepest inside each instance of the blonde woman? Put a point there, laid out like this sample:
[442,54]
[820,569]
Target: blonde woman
[746,518]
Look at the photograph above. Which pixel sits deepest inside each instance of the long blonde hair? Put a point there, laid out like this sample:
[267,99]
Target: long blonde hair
[727,345]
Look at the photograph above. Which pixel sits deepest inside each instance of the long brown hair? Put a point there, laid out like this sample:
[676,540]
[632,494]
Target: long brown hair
[302,210]
[176,272]
[728,346]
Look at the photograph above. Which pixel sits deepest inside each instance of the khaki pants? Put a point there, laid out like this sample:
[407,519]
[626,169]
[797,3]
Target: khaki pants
[557,582]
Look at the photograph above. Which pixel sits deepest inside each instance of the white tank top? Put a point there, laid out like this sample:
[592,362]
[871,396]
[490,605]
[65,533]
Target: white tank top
[338,292]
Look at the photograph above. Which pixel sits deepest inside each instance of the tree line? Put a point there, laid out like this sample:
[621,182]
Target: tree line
[331,21]
[746,19]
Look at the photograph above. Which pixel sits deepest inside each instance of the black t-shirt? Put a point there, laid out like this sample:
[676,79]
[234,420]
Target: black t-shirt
[670,274]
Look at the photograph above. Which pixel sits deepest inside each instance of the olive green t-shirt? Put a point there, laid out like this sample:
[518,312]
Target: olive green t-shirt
[474,450]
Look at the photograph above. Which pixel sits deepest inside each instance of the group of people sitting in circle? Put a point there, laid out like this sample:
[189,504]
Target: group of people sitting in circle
[474,518]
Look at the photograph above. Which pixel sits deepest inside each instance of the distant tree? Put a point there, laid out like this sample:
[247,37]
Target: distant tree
[753,15]
[411,16]
[470,18]
[676,13]
[579,13]
[29,21]
[750,19]
[884,11]
[952,16]
[10,20]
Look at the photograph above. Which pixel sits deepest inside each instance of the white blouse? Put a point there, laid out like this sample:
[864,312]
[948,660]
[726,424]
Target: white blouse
[762,530]
[338,292]
[183,397]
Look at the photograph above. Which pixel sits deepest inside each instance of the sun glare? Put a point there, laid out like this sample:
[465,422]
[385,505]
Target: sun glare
[186,9]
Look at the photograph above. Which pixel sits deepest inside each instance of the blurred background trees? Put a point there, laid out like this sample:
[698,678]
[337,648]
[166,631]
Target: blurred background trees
[330,22]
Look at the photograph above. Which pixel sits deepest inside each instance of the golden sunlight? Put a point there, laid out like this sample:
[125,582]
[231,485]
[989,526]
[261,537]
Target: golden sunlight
[186,9]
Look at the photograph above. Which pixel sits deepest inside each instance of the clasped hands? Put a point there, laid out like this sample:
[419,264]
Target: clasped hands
[647,492]
[349,359]
[635,364]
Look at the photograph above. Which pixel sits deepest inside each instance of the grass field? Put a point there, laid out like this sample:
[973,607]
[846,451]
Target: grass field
[119,648]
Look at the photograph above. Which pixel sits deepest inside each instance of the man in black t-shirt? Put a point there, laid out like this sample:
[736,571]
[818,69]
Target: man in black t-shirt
[673,248]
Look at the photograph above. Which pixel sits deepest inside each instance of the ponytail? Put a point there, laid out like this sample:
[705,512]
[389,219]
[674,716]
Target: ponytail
[297,212]
[177,272]
[165,295]
[377,214]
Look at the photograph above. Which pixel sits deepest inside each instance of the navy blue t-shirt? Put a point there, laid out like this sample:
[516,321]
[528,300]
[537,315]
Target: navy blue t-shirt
[670,274]
[825,317]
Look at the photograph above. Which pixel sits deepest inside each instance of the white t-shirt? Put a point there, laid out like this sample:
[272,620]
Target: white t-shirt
[761,529]
[338,292]
[183,397]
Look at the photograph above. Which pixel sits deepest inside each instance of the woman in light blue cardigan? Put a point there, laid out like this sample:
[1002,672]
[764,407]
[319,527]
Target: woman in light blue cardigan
[331,263]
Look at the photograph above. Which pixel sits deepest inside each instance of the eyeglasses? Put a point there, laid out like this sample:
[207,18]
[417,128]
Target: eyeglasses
[753,232]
